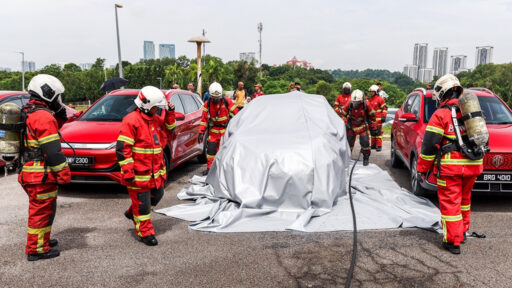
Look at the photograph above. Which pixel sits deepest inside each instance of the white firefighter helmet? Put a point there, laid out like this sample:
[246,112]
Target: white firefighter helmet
[46,87]
[215,90]
[357,96]
[347,85]
[150,97]
[444,84]
[374,88]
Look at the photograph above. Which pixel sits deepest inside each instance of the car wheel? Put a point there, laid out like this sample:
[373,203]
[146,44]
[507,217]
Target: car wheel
[202,158]
[415,184]
[395,161]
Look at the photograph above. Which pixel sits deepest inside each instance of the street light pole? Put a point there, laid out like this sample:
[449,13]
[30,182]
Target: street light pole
[22,71]
[199,40]
[118,42]
[160,78]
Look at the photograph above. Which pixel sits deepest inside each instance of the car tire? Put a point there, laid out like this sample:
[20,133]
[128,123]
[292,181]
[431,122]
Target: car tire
[415,184]
[395,160]
[202,157]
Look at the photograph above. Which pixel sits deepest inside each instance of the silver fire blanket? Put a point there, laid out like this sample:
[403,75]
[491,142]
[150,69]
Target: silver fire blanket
[283,165]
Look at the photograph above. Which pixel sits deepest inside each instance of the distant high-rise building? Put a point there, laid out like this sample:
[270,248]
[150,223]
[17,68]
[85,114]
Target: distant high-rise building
[30,66]
[458,64]
[483,55]
[420,55]
[86,66]
[166,50]
[248,56]
[411,71]
[440,61]
[149,50]
[426,75]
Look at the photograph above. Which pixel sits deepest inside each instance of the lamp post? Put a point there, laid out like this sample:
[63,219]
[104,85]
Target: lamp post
[118,42]
[22,70]
[199,40]
[160,78]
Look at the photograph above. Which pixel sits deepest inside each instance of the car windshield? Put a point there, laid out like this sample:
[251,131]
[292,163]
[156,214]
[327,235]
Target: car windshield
[111,108]
[494,110]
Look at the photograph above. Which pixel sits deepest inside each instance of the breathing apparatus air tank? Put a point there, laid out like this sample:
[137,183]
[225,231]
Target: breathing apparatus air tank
[10,127]
[474,120]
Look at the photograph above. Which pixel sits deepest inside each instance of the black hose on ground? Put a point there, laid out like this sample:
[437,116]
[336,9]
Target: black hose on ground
[354,244]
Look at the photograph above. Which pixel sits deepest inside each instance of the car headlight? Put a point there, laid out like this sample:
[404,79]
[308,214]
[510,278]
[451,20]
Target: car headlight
[91,146]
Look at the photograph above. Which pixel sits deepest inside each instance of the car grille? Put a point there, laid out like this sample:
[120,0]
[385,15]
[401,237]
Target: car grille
[492,187]
[498,161]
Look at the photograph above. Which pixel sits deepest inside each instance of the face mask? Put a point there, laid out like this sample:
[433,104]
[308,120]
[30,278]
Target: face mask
[346,91]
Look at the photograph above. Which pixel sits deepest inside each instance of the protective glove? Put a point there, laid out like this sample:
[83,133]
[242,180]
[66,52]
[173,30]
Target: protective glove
[422,176]
[383,120]
[374,132]
[129,179]
[200,138]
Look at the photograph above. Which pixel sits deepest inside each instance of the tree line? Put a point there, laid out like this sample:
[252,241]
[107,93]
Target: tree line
[84,85]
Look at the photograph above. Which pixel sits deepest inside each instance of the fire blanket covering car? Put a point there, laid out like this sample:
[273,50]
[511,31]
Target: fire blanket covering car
[283,166]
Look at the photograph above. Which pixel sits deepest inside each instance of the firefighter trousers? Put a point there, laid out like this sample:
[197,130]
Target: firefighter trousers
[377,139]
[141,207]
[42,201]
[454,194]
[364,141]
[212,147]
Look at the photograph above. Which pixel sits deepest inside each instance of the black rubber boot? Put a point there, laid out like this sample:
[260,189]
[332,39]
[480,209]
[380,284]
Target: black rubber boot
[452,248]
[374,147]
[52,253]
[366,160]
[54,242]
[205,172]
[149,240]
[379,149]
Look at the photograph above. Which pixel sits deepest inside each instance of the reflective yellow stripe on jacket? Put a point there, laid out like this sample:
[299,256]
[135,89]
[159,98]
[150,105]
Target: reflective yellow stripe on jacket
[126,139]
[49,138]
[147,150]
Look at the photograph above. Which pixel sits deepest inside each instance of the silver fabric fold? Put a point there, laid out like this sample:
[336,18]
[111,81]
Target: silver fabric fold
[283,166]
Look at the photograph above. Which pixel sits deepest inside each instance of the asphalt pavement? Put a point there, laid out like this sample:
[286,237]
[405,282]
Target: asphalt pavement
[99,247]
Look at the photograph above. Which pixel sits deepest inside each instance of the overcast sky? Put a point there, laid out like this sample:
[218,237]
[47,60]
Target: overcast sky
[329,34]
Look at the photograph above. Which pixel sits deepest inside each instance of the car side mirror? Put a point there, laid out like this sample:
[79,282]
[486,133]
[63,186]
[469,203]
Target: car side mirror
[179,116]
[408,117]
[78,113]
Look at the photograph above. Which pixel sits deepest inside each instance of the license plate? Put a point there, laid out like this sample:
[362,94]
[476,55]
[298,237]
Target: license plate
[80,161]
[488,177]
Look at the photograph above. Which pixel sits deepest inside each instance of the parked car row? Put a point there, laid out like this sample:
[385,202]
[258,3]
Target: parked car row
[409,128]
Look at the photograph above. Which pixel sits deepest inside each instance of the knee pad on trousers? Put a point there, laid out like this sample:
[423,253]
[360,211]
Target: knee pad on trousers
[156,196]
[145,202]
[211,148]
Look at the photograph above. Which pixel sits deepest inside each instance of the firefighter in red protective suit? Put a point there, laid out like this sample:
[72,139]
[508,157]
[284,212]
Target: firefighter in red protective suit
[45,166]
[140,152]
[343,99]
[381,111]
[456,173]
[360,117]
[217,111]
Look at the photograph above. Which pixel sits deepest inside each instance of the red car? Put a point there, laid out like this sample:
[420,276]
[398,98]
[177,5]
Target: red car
[94,134]
[409,127]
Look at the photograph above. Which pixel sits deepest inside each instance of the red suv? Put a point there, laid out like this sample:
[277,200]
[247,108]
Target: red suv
[409,127]
[94,134]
